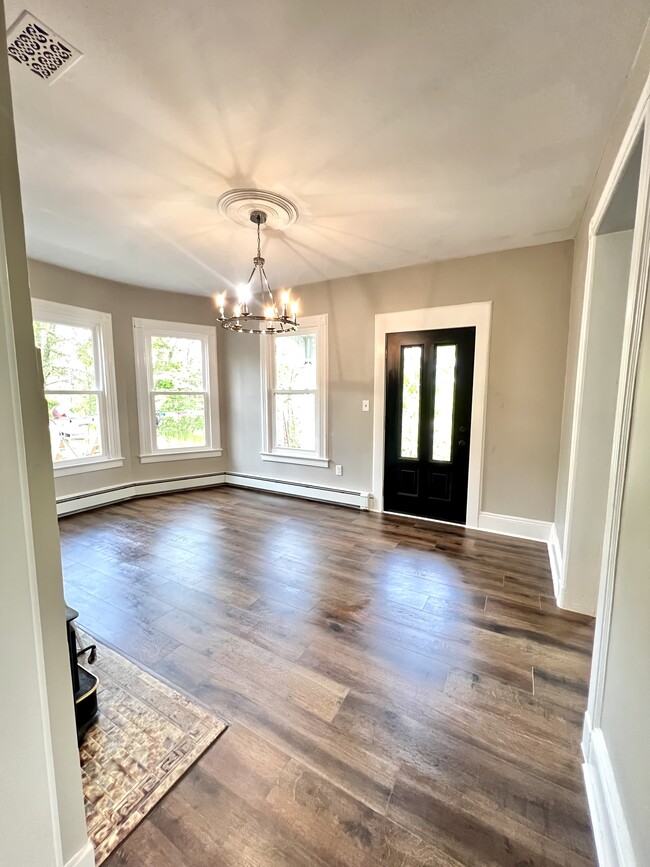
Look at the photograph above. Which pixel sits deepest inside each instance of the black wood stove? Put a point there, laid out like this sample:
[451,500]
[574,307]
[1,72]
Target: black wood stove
[84,684]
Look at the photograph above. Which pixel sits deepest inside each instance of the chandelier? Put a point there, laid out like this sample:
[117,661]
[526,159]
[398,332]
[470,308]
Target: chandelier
[277,316]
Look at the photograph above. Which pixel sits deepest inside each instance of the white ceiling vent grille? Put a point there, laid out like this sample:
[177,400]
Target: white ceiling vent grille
[36,46]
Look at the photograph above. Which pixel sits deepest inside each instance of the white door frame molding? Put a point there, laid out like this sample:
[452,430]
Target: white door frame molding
[638,289]
[609,822]
[477,315]
[619,166]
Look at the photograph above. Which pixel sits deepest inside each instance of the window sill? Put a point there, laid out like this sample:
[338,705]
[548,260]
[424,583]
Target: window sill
[295,459]
[180,456]
[87,467]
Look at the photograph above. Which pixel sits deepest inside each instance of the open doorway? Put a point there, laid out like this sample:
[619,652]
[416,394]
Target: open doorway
[599,366]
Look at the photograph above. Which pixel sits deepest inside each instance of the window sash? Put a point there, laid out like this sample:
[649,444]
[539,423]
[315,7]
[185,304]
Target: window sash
[318,327]
[145,332]
[287,450]
[205,362]
[73,391]
[154,393]
[296,391]
[99,323]
[188,391]
[206,420]
[103,432]
[99,391]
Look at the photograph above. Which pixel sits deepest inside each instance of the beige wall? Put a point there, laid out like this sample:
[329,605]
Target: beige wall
[123,303]
[626,699]
[634,86]
[530,292]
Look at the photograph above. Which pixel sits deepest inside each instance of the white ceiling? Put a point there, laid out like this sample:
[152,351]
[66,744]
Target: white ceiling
[404,130]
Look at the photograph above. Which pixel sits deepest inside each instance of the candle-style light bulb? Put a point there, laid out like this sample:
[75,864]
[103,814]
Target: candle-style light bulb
[294,309]
[269,312]
[220,301]
[237,310]
[244,293]
[285,297]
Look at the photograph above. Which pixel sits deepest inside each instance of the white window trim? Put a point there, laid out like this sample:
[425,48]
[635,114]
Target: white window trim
[101,324]
[319,457]
[143,329]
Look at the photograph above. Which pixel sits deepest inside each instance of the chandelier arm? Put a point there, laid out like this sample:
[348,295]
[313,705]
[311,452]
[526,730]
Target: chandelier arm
[252,274]
[268,285]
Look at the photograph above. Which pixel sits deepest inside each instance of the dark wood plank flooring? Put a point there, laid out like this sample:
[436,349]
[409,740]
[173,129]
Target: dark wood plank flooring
[401,693]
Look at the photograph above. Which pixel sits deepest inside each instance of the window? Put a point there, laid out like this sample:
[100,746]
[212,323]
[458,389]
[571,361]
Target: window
[294,393]
[178,398]
[76,351]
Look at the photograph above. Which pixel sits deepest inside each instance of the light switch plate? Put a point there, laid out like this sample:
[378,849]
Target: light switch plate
[365,405]
[339,470]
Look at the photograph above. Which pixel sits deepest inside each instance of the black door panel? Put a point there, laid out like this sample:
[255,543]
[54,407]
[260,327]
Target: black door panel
[429,377]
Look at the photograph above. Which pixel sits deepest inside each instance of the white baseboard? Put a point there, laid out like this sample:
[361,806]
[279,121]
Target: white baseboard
[613,842]
[84,857]
[105,496]
[508,525]
[557,562]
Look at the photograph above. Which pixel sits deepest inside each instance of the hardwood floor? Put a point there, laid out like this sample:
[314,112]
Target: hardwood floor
[401,693]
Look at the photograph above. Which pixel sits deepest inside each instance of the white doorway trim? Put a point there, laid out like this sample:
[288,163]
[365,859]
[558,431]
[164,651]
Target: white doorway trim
[638,289]
[477,315]
[613,842]
[630,140]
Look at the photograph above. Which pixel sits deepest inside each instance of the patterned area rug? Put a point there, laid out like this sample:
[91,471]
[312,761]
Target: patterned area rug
[146,737]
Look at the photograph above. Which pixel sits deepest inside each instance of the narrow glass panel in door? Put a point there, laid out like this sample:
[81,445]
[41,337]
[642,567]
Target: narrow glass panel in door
[411,398]
[443,402]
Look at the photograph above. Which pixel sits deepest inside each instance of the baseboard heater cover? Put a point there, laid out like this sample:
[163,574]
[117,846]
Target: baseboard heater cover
[68,505]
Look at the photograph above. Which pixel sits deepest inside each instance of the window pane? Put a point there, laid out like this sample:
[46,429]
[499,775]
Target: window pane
[295,421]
[443,414]
[67,356]
[180,421]
[411,395]
[295,362]
[75,431]
[177,364]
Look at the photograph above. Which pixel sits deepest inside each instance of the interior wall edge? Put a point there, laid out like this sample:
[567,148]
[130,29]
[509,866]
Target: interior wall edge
[557,561]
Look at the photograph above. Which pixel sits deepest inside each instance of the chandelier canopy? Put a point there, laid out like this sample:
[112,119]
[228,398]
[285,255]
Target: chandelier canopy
[274,316]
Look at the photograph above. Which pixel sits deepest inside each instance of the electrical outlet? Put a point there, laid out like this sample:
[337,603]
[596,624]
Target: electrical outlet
[365,406]
[339,470]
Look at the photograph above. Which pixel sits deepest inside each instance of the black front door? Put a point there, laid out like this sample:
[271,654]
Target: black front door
[429,377]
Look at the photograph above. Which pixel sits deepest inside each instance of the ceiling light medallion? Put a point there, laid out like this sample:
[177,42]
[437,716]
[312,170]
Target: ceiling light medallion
[281,316]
